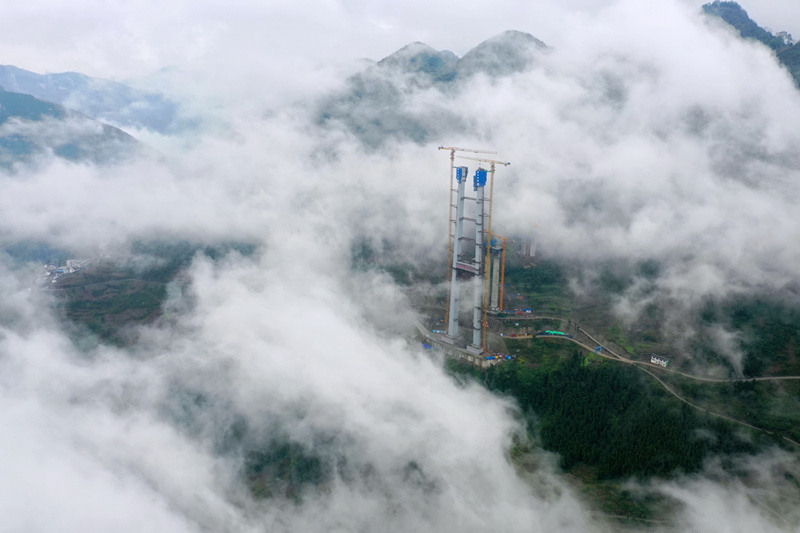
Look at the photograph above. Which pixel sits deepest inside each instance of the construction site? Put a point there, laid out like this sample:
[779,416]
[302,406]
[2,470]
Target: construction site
[475,319]
[475,255]
[473,323]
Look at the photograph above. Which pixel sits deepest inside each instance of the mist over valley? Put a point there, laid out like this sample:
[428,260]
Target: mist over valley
[219,282]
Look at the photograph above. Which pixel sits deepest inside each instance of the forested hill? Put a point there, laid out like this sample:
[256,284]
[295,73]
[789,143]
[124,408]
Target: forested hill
[790,57]
[381,103]
[103,100]
[731,12]
[736,16]
[609,417]
[27,107]
[28,130]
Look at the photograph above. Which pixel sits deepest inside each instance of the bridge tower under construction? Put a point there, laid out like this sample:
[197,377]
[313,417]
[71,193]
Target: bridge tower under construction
[467,262]
[476,256]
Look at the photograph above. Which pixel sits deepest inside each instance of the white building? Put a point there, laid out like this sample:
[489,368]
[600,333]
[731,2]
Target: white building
[658,360]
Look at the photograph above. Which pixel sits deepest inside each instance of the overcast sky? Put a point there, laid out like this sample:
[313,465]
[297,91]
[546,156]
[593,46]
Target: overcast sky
[121,40]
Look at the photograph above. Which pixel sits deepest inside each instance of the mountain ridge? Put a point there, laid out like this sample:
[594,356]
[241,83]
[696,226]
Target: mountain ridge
[98,98]
[782,43]
[375,104]
[30,127]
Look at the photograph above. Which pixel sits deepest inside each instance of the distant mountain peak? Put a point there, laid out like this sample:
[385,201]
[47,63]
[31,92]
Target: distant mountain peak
[421,58]
[378,103]
[514,37]
[505,53]
[500,55]
[409,50]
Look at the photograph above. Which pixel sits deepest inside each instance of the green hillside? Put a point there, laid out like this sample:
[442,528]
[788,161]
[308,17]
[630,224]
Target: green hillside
[788,52]
[736,16]
[25,107]
[31,128]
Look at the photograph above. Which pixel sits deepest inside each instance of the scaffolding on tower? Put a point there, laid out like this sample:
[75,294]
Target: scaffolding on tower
[452,238]
[485,268]
[492,166]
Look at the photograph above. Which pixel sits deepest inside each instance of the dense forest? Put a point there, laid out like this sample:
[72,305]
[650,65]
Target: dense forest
[736,16]
[609,417]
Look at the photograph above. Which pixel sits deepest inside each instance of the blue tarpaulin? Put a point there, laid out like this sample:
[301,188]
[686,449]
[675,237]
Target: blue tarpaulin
[480,177]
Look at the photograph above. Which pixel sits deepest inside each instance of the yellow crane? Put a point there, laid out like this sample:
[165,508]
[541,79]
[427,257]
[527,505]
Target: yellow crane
[501,294]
